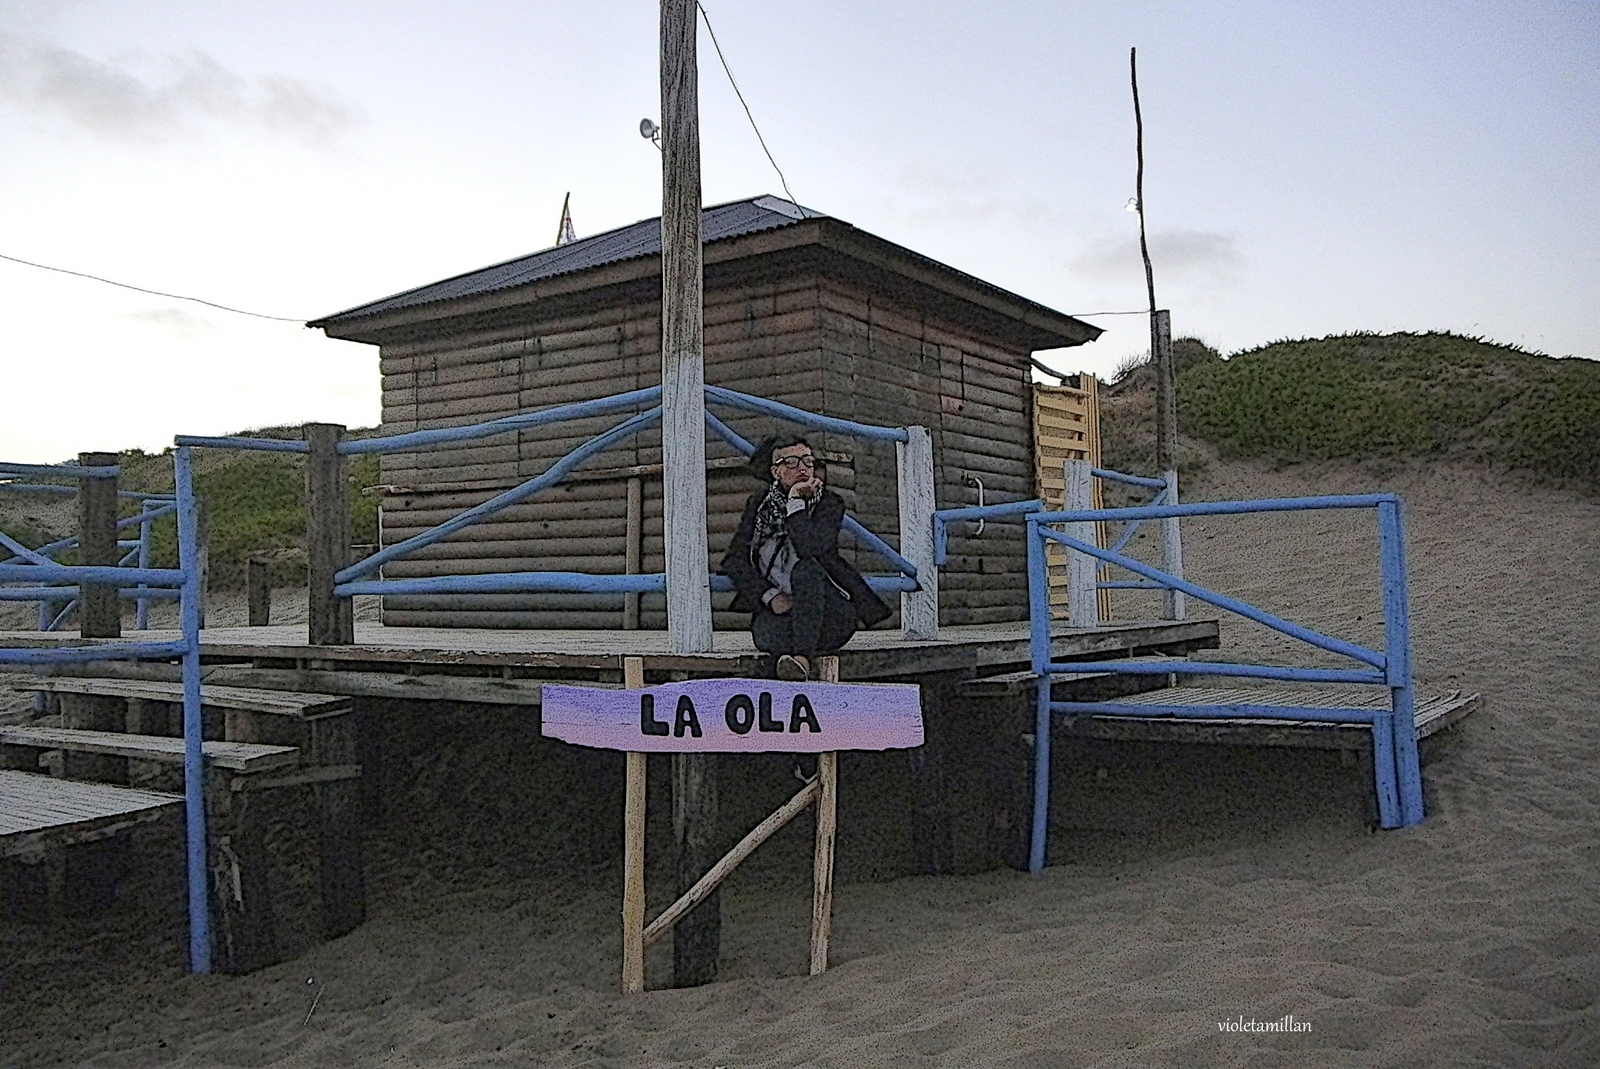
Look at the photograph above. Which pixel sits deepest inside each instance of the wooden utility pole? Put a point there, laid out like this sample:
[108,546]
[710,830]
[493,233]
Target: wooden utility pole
[697,937]
[683,405]
[1166,378]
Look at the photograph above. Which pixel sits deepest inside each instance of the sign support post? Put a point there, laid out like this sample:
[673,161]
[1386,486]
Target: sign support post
[822,858]
[633,852]
[700,717]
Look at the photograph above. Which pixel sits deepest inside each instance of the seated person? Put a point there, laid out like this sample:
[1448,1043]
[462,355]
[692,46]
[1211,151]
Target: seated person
[785,563]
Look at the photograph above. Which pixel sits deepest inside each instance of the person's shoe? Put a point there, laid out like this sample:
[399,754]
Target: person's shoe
[793,669]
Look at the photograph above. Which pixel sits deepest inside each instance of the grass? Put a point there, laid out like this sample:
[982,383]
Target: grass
[255,506]
[1393,397]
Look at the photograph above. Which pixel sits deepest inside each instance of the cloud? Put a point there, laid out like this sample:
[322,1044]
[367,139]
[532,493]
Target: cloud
[115,100]
[1191,255]
[184,324]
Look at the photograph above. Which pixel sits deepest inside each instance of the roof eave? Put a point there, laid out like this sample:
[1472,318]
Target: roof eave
[1050,329]
[1041,327]
[367,328]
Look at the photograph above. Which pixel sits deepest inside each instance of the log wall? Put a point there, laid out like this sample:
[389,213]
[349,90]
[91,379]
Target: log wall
[824,343]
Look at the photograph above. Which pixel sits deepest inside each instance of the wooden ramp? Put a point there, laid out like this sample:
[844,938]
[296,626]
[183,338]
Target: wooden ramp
[1432,715]
[37,812]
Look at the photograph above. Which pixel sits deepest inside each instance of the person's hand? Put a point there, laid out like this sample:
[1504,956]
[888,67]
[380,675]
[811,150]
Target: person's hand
[781,604]
[808,488]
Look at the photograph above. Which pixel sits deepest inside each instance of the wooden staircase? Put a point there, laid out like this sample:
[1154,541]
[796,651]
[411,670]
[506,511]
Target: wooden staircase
[281,793]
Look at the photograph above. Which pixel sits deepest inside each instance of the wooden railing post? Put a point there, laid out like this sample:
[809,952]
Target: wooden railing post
[1083,603]
[99,611]
[258,591]
[919,609]
[1167,452]
[331,620]
[202,554]
[1172,552]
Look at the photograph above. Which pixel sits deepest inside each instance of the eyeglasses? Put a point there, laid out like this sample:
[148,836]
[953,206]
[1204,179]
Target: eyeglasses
[794,462]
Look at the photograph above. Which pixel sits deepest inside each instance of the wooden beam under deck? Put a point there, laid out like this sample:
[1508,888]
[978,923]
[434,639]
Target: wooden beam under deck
[461,664]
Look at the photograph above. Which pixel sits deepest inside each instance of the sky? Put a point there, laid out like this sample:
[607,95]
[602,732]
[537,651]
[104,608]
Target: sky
[1311,168]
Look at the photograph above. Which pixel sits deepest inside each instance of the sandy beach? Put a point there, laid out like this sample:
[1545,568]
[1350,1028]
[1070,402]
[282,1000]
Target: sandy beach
[1187,889]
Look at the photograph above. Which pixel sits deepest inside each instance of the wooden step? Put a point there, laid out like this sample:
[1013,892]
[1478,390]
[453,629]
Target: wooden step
[234,756]
[38,812]
[301,706]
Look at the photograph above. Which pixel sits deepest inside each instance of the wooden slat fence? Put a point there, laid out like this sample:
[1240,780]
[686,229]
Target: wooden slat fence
[1066,426]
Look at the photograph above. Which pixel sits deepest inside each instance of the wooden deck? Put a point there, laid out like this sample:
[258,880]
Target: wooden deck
[38,811]
[489,663]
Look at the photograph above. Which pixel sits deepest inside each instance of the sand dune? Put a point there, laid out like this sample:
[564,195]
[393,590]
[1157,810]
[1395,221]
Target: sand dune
[1190,889]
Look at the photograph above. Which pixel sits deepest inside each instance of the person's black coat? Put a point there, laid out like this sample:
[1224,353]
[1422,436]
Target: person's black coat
[814,533]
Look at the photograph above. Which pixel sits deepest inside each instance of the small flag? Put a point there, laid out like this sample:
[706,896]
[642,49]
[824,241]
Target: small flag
[565,235]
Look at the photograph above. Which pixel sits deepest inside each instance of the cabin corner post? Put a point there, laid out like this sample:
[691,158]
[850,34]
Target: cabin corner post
[99,610]
[919,609]
[1083,601]
[633,551]
[331,619]
[683,418]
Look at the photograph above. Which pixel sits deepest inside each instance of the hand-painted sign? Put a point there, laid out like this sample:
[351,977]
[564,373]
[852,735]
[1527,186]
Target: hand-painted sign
[736,716]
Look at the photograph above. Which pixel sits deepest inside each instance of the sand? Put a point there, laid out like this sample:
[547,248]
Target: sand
[1472,940]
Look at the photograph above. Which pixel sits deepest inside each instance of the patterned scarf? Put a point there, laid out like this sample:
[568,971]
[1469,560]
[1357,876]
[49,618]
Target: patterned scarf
[770,515]
[770,550]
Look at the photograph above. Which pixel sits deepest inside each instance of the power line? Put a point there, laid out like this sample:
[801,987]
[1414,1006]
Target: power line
[729,72]
[141,289]
[1135,312]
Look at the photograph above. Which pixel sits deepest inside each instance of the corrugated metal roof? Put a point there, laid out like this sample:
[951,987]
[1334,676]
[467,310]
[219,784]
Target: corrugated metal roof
[630,242]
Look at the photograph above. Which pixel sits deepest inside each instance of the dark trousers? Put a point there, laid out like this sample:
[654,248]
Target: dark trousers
[821,619]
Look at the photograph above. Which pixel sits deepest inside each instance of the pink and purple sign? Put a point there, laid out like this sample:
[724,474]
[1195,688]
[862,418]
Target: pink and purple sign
[736,716]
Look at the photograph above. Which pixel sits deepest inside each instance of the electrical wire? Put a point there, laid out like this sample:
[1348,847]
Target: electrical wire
[141,289]
[729,72]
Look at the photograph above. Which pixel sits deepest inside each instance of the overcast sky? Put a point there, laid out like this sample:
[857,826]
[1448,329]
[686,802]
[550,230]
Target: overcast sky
[1311,169]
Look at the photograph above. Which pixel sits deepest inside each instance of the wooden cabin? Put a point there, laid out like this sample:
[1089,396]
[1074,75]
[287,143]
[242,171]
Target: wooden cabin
[799,307]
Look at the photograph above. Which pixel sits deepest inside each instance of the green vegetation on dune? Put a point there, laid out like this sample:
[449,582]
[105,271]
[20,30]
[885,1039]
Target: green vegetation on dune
[256,504]
[1394,396]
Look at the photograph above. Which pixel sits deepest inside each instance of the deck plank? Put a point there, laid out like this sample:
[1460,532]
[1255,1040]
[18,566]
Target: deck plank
[33,807]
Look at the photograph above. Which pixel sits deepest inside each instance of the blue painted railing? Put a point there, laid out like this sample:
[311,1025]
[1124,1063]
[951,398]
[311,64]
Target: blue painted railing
[1014,510]
[182,581]
[355,579]
[1397,774]
[153,506]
